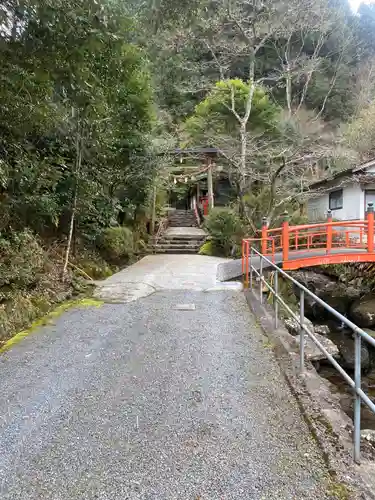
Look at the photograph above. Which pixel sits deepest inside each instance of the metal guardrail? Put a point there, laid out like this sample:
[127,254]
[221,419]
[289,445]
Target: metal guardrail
[359,334]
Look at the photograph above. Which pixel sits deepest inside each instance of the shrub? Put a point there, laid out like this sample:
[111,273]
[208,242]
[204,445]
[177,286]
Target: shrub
[22,260]
[117,243]
[225,229]
[206,249]
[97,270]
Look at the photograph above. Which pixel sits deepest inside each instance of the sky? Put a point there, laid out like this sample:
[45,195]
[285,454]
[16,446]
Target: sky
[356,3]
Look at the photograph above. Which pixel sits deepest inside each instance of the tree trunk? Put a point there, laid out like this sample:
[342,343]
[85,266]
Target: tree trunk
[271,207]
[288,90]
[78,164]
[242,176]
[243,136]
[70,237]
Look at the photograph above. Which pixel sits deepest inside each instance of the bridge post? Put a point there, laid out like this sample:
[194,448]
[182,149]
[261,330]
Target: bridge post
[264,236]
[370,228]
[285,236]
[329,231]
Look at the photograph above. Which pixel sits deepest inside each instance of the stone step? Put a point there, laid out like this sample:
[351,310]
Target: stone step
[182,241]
[181,215]
[183,224]
[181,212]
[181,220]
[175,250]
[184,237]
[178,241]
[175,246]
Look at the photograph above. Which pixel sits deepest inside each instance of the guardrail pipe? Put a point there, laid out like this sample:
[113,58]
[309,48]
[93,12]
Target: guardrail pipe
[329,231]
[302,331]
[275,300]
[285,236]
[246,283]
[359,395]
[243,263]
[264,236]
[251,265]
[370,228]
[357,400]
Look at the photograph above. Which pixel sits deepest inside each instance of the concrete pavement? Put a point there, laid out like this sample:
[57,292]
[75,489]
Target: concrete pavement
[164,272]
[172,396]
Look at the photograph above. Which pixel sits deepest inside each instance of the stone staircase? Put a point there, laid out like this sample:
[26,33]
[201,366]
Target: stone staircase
[182,218]
[171,243]
[182,235]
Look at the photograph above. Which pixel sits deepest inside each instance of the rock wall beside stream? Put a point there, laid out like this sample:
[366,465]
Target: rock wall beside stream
[350,289]
[350,295]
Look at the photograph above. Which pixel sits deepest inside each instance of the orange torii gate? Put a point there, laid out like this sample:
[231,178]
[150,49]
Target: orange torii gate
[330,242]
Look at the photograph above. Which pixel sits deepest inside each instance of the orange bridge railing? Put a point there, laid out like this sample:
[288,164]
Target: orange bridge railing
[329,242]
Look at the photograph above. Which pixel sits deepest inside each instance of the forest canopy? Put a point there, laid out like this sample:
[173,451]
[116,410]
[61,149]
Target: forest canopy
[93,94]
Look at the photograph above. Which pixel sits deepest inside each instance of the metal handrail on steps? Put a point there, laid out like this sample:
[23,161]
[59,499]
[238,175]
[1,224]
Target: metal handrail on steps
[249,270]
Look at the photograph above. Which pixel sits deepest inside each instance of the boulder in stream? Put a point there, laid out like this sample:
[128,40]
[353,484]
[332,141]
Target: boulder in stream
[335,293]
[322,330]
[362,311]
[312,351]
[293,327]
[346,349]
[368,435]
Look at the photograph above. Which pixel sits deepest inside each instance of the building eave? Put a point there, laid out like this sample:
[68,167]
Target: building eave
[344,173]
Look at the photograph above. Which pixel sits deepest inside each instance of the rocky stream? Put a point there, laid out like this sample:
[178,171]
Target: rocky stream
[349,291]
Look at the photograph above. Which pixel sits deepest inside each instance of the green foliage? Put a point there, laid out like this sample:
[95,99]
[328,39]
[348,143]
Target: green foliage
[29,281]
[366,28]
[117,244]
[207,249]
[341,102]
[97,270]
[361,131]
[215,111]
[72,73]
[296,218]
[225,228]
[22,260]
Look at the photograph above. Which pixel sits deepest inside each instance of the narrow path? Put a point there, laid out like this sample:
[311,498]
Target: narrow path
[173,396]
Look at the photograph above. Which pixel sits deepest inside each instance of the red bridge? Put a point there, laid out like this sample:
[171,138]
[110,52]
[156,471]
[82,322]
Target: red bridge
[329,242]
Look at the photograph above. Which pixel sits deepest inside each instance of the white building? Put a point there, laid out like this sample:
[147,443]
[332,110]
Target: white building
[346,194]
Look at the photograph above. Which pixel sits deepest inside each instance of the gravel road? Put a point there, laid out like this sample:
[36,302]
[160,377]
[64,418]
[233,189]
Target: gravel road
[147,401]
